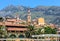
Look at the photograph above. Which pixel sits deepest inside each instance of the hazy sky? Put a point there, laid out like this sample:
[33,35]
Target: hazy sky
[31,3]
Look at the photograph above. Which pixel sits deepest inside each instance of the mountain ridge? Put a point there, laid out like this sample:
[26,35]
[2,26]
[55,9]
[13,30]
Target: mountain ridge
[50,13]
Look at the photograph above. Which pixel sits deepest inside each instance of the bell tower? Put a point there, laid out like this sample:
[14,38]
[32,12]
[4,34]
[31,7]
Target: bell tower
[17,18]
[29,17]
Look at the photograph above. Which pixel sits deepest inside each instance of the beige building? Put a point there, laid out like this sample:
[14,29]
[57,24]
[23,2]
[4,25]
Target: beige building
[41,21]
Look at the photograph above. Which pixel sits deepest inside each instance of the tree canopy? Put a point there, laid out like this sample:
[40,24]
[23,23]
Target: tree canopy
[44,30]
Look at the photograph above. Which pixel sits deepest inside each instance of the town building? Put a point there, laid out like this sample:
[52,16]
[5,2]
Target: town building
[41,21]
[17,27]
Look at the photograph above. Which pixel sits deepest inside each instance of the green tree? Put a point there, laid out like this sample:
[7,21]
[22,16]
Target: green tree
[1,19]
[3,32]
[27,33]
[39,31]
[31,31]
[49,30]
[54,31]
[44,30]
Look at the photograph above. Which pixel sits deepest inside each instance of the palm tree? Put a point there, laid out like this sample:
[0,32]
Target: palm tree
[31,31]
[44,30]
[40,30]
[3,32]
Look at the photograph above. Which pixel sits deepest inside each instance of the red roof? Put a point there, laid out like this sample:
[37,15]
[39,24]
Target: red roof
[16,29]
[12,24]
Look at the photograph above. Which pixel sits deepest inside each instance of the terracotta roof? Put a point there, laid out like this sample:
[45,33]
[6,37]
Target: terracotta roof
[12,24]
[16,29]
[11,19]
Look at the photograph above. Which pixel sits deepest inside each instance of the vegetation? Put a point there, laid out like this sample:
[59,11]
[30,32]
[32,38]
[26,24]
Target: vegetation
[1,19]
[49,30]
[43,30]
[31,31]
[3,32]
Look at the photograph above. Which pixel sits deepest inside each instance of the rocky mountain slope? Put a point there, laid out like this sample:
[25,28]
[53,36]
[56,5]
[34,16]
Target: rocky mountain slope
[50,13]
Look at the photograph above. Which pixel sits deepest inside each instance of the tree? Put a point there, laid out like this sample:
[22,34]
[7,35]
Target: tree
[31,31]
[3,32]
[27,33]
[49,30]
[1,19]
[39,31]
[54,31]
[44,30]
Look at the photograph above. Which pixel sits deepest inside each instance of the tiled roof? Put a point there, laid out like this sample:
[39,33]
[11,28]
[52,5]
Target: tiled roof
[12,24]
[16,29]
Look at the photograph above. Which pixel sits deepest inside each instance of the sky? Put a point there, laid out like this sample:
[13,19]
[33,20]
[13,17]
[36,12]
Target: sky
[31,3]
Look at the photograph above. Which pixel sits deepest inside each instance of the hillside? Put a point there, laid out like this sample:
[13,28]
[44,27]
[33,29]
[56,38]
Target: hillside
[50,13]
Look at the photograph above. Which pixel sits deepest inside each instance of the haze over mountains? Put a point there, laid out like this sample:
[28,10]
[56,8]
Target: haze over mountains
[50,13]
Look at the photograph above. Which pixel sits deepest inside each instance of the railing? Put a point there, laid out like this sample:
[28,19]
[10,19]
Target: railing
[22,39]
[42,37]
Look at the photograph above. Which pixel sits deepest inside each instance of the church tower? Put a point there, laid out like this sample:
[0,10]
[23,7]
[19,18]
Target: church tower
[17,18]
[29,17]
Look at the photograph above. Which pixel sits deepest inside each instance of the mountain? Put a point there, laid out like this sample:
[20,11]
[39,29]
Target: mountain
[13,8]
[50,13]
